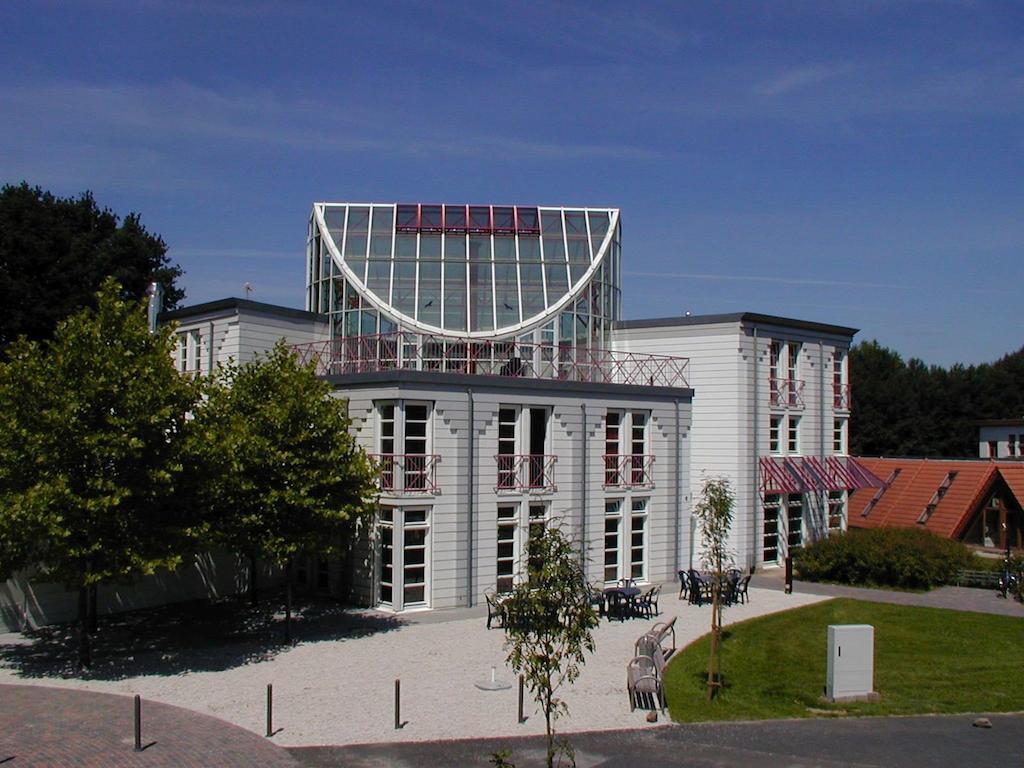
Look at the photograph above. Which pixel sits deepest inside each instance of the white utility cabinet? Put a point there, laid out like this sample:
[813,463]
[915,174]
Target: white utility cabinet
[851,662]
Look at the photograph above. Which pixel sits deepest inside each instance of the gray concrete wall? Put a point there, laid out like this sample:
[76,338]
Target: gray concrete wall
[28,601]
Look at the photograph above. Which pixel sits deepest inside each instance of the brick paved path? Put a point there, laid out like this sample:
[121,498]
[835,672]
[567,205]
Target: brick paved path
[56,727]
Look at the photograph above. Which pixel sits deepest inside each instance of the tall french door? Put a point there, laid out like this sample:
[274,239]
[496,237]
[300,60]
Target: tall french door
[403,557]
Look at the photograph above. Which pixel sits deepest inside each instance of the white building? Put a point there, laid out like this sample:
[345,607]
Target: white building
[1001,439]
[487,367]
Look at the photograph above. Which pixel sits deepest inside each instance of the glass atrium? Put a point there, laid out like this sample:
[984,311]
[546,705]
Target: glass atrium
[473,271]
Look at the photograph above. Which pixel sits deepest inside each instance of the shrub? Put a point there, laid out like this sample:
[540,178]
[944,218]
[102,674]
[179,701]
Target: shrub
[892,557]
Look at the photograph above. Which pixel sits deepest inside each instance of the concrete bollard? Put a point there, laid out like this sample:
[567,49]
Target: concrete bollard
[138,723]
[398,704]
[270,710]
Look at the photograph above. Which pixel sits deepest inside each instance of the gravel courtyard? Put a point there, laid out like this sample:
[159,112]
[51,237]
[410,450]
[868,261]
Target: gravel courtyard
[340,691]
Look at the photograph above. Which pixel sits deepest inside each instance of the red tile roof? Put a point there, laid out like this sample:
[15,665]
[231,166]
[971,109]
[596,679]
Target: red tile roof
[904,502]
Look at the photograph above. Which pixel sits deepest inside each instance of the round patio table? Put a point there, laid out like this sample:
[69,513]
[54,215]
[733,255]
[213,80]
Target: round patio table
[629,593]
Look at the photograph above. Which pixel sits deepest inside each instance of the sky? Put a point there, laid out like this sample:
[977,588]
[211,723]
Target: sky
[856,163]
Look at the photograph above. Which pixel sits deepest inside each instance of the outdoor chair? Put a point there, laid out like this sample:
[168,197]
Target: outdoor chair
[645,645]
[617,606]
[700,590]
[684,585]
[648,603]
[741,589]
[644,681]
[597,599]
[495,609]
[730,587]
[663,629]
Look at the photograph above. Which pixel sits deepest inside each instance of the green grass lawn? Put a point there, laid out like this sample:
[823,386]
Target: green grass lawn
[927,660]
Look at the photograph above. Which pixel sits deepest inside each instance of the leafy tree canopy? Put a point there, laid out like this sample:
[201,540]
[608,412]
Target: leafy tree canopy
[88,455]
[55,253]
[279,472]
[912,409]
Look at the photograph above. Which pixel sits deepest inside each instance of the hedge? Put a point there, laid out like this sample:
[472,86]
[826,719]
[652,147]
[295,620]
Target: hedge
[891,557]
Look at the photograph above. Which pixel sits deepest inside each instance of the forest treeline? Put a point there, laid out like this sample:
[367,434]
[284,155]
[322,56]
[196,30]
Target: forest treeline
[907,408]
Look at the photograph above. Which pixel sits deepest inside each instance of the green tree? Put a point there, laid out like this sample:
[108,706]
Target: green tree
[912,409]
[56,252]
[277,470]
[549,624]
[89,450]
[714,513]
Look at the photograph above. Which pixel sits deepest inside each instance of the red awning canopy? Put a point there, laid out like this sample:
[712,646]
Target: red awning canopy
[810,474]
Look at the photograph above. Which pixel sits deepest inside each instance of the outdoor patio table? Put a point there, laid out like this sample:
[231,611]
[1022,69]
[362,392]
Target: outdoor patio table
[630,593]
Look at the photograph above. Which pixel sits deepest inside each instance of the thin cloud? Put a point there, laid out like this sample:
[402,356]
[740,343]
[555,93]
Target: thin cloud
[800,77]
[176,110]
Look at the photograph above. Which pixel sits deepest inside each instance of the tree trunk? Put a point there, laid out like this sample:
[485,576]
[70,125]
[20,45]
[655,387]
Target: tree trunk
[288,601]
[550,731]
[253,595]
[713,681]
[93,590]
[84,651]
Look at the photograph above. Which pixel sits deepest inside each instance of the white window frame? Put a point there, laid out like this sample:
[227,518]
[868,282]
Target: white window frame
[772,501]
[195,350]
[612,512]
[398,525]
[776,426]
[399,437]
[642,513]
[836,509]
[793,436]
[514,523]
[840,428]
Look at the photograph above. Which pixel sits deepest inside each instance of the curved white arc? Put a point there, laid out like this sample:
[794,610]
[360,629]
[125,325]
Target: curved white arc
[509,330]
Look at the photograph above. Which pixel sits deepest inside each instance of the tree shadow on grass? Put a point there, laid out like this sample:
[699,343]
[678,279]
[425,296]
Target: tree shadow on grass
[201,636]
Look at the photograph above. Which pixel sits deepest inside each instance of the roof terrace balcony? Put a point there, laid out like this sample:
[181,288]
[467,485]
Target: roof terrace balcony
[406,350]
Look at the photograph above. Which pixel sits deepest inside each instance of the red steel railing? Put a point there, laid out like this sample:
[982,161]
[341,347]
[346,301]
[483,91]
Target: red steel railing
[526,471]
[488,357]
[786,393]
[628,470]
[407,472]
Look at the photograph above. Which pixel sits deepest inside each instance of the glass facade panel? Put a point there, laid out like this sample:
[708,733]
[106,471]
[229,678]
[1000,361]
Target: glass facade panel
[455,295]
[429,301]
[480,284]
[527,220]
[455,217]
[383,219]
[479,218]
[554,266]
[504,220]
[531,277]
[334,218]
[378,278]
[403,297]
[408,217]
[430,218]
[598,228]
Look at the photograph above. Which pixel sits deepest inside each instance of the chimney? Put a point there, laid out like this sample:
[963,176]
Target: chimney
[156,304]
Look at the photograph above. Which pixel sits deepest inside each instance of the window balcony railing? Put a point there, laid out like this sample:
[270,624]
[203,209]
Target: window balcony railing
[786,393]
[628,470]
[407,472]
[526,471]
[841,397]
[488,357]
